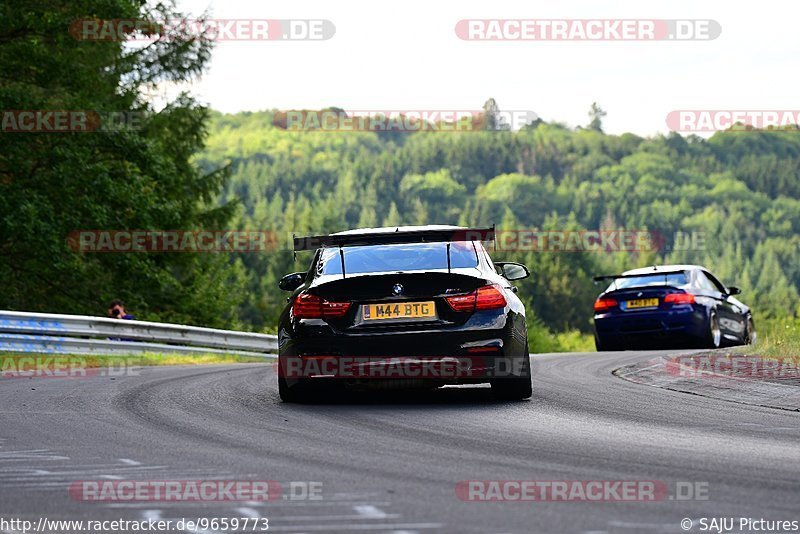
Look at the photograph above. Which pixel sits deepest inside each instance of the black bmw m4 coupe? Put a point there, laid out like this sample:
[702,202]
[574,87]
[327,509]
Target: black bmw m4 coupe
[404,307]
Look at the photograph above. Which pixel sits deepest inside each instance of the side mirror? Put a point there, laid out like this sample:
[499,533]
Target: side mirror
[290,282]
[733,290]
[512,271]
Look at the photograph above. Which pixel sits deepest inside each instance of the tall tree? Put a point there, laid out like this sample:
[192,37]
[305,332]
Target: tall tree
[596,116]
[491,116]
[133,174]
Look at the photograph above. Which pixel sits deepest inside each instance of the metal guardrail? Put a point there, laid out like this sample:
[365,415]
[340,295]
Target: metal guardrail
[80,334]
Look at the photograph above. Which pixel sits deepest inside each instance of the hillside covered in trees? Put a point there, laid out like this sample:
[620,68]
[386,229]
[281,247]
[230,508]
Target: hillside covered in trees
[737,194]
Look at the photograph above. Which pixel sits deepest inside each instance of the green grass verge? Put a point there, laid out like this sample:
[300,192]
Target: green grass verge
[14,359]
[542,339]
[777,338]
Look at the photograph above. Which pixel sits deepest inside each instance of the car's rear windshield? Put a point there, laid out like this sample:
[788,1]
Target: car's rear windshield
[674,279]
[399,257]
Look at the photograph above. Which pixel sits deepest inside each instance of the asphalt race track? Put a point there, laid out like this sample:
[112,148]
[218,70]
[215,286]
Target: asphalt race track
[390,463]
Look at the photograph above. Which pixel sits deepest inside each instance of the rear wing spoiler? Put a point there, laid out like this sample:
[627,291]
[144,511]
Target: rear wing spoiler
[396,237]
[639,275]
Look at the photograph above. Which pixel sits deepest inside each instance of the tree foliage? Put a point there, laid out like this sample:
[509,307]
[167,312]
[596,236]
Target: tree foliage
[134,176]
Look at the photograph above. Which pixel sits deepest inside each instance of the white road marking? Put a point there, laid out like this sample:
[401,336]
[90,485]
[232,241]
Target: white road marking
[249,512]
[129,461]
[35,454]
[369,511]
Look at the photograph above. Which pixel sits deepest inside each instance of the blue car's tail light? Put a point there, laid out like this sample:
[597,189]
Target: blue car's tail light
[679,298]
[604,304]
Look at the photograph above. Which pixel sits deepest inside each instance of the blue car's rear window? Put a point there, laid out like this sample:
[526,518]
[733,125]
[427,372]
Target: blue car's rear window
[400,257]
[676,280]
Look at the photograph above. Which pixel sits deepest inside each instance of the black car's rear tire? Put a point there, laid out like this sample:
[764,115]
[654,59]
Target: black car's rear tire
[289,393]
[516,387]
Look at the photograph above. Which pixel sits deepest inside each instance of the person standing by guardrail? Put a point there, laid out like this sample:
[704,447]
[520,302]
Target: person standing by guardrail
[116,310]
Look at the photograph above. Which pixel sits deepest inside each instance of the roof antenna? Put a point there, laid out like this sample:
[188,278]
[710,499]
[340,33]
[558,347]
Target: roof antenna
[341,256]
[448,258]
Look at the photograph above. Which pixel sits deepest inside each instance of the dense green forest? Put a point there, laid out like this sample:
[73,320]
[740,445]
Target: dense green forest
[737,193]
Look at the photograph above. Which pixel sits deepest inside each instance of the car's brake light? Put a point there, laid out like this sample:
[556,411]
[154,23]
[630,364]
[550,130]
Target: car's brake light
[679,298]
[308,306]
[604,303]
[489,298]
[484,298]
[462,303]
[334,309]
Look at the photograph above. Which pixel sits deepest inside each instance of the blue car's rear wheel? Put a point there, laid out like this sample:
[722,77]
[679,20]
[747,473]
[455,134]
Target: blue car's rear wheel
[750,334]
[713,338]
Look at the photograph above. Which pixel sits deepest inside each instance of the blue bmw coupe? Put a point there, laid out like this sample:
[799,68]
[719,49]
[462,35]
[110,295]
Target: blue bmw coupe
[670,306]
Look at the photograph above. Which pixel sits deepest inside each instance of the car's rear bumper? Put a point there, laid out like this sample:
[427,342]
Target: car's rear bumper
[445,356]
[678,324]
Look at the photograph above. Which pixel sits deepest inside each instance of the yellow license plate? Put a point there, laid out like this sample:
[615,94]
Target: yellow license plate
[642,303]
[399,310]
